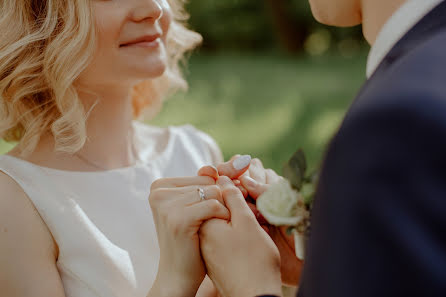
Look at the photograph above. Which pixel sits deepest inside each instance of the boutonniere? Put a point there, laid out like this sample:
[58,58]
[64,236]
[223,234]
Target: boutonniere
[288,202]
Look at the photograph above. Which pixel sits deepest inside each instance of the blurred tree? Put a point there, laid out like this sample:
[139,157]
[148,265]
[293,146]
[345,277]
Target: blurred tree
[231,24]
[290,31]
[261,25]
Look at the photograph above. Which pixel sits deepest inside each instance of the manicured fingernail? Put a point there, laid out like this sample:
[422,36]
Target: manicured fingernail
[241,162]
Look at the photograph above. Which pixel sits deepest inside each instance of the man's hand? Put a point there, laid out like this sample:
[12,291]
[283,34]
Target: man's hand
[253,181]
[256,181]
[241,259]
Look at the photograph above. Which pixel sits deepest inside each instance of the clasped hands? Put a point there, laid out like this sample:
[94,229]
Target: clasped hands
[221,236]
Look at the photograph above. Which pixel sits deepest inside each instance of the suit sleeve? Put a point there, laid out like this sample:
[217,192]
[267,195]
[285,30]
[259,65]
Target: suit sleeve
[379,217]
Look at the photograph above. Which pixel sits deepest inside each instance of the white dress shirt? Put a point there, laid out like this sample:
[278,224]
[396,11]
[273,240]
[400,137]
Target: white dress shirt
[404,19]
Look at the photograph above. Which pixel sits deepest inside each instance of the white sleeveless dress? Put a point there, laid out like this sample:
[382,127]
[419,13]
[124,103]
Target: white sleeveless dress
[102,221]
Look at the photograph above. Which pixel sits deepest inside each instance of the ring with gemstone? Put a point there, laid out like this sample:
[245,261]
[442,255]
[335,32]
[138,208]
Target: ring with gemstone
[201,194]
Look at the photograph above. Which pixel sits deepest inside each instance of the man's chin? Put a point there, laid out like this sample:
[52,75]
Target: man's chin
[338,22]
[336,18]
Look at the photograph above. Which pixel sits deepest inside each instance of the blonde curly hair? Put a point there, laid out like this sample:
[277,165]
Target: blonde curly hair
[45,46]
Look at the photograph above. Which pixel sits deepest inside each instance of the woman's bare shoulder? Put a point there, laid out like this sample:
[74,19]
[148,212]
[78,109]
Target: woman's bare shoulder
[27,248]
[19,214]
[9,188]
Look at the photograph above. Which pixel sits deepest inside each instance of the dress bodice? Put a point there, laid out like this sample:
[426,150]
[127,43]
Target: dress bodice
[102,221]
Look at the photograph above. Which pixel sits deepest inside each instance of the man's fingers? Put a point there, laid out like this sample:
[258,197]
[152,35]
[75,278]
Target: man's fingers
[210,171]
[178,182]
[272,177]
[236,167]
[257,171]
[234,199]
[255,189]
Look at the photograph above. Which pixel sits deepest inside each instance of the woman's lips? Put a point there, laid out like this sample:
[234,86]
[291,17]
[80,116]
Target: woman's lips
[144,44]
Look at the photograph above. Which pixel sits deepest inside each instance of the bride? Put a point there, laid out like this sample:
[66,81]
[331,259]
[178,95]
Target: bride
[75,218]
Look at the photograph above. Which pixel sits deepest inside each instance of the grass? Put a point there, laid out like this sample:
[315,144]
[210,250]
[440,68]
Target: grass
[266,105]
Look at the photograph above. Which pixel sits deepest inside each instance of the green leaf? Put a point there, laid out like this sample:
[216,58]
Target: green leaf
[289,231]
[312,178]
[295,169]
[308,191]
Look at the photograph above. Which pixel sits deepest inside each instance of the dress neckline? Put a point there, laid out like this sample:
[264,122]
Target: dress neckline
[139,162]
[61,171]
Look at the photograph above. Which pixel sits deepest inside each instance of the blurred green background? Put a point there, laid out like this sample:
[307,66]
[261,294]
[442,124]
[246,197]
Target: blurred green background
[268,78]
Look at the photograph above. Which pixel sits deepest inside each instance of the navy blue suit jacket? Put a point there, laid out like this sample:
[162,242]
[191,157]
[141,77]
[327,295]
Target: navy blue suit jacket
[379,218]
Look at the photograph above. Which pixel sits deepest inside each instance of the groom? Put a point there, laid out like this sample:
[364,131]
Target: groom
[379,217]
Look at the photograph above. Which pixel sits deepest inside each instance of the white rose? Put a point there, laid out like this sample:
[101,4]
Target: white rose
[279,204]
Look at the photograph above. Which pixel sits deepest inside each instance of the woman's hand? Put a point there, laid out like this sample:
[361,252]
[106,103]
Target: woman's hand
[253,183]
[179,212]
[207,289]
[256,181]
[240,257]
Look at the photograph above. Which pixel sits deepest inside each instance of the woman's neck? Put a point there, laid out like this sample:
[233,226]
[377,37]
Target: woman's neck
[110,141]
[109,144]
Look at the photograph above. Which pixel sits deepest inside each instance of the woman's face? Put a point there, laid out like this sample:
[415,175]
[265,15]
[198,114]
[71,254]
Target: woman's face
[131,42]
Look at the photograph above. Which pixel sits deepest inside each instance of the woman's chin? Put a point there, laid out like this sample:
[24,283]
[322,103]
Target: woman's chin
[150,72]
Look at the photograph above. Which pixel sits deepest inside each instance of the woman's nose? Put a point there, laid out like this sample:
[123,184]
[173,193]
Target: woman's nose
[148,10]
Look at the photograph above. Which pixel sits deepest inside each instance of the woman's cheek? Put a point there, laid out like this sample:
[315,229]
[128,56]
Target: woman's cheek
[166,19]
[107,28]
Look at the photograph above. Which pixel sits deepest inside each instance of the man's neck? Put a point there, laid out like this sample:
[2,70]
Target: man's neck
[375,14]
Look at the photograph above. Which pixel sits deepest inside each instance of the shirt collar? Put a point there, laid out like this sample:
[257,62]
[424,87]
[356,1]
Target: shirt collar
[406,17]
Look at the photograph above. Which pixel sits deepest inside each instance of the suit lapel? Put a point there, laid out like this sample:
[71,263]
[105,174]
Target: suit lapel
[432,23]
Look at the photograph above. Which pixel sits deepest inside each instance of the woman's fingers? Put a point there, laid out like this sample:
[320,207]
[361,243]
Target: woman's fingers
[236,167]
[234,200]
[192,194]
[182,182]
[210,171]
[180,197]
[206,210]
[255,189]
[238,184]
